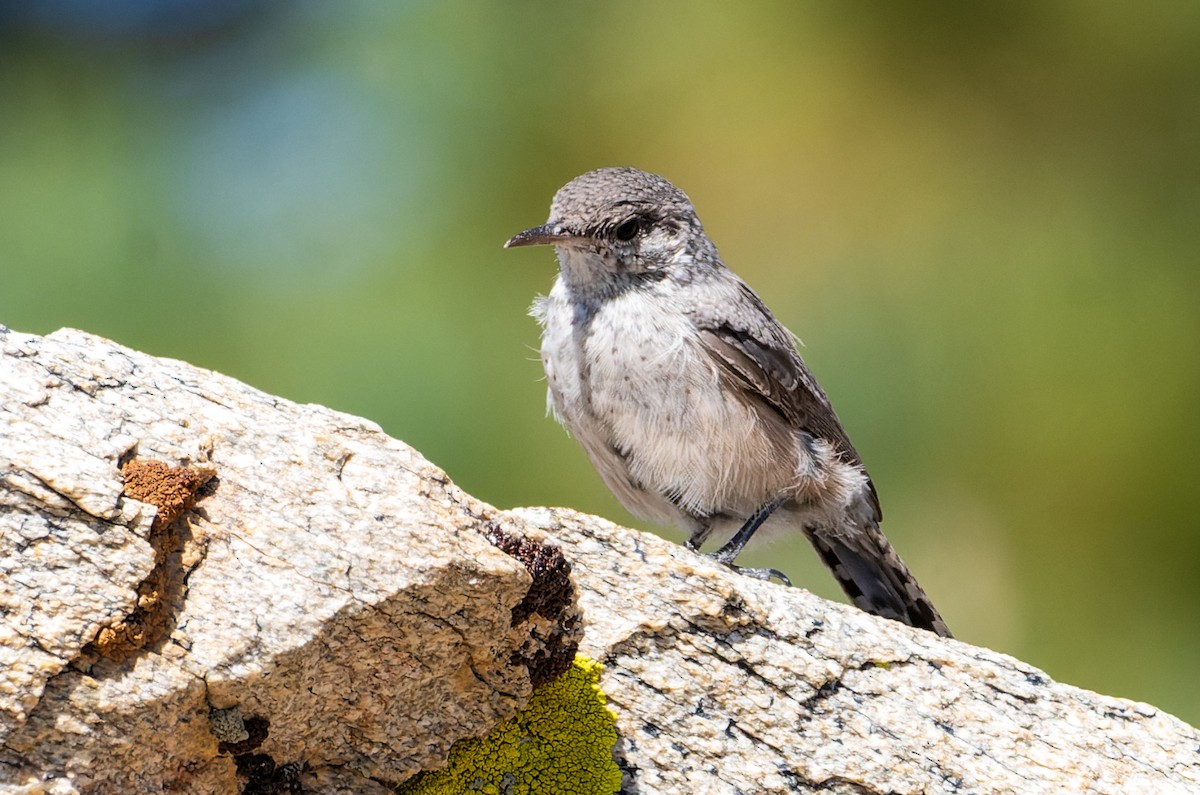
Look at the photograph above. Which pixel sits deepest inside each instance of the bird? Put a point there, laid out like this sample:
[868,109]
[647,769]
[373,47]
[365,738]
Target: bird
[690,398]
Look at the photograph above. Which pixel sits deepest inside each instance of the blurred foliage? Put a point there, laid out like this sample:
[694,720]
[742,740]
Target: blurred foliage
[983,220]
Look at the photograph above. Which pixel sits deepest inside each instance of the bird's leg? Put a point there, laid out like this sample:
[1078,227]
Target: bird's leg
[733,547]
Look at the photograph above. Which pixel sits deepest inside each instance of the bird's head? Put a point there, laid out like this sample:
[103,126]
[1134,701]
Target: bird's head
[614,226]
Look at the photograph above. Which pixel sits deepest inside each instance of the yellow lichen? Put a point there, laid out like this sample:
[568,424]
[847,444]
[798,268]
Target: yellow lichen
[560,743]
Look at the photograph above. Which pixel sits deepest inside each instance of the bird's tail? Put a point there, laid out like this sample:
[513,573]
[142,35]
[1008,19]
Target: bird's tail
[875,578]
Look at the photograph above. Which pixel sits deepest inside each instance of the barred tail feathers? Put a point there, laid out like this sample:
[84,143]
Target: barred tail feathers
[875,578]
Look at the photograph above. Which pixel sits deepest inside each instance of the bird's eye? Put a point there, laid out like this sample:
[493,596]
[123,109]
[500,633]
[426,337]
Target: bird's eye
[628,230]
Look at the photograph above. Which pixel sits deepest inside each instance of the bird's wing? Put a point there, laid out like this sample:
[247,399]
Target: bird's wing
[757,354]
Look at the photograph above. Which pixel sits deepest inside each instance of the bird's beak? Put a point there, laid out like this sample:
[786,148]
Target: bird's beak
[544,235]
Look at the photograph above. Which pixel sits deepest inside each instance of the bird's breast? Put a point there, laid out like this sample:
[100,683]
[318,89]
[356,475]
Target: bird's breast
[629,374]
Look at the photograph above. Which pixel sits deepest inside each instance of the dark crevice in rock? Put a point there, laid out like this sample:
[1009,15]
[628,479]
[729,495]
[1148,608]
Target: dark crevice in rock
[257,729]
[264,777]
[551,595]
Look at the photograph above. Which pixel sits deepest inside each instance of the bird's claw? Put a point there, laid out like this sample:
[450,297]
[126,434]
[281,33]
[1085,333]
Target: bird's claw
[764,574]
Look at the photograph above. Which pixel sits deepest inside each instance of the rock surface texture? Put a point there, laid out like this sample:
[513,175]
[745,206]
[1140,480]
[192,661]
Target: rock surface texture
[322,606]
[726,684]
[207,589]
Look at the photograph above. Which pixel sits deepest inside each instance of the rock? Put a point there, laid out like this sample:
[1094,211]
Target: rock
[726,684]
[314,600]
[207,589]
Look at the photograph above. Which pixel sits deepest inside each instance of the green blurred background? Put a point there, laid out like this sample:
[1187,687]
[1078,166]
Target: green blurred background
[983,220]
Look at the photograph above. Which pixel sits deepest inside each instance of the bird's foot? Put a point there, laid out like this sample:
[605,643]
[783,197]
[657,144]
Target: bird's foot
[764,574]
[728,553]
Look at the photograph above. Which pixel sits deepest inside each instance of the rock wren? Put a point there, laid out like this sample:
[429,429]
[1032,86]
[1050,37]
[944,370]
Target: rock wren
[689,396]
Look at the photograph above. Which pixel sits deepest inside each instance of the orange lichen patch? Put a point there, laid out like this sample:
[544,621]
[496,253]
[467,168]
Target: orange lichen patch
[118,641]
[172,490]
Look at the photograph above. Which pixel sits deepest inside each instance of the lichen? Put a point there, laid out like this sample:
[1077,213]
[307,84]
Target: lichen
[552,642]
[560,743]
[173,491]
